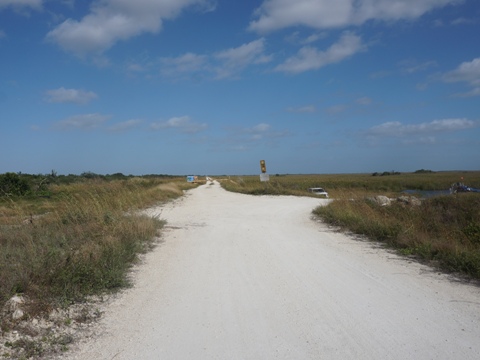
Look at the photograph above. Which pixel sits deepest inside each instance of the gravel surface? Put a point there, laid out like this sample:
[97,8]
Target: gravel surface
[244,277]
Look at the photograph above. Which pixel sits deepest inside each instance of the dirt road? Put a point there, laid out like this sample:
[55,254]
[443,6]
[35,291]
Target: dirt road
[243,277]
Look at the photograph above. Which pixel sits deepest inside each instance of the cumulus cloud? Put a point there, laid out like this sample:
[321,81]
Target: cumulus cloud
[82,122]
[184,124]
[310,58]
[468,72]
[322,14]
[397,129]
[110,21]
[76,96]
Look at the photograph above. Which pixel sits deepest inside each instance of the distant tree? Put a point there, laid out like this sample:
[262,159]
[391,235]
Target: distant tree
[89,175]
[12,184]
[423,171]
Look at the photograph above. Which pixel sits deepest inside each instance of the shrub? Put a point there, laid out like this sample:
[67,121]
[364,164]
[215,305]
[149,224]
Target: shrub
[12,184]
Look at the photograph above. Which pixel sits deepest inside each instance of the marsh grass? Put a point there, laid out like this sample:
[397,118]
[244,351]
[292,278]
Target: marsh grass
[349,185]
[443,230]
[80,241]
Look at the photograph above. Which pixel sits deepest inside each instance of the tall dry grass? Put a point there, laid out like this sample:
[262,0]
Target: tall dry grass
[348,185]
[81,241]
[444,230]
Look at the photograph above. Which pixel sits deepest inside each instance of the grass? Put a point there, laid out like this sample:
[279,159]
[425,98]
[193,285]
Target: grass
[444,230]
[79,241]
[349,185]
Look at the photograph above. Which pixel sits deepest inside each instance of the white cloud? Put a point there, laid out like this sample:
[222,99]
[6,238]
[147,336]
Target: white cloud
[468,72]
[17,4]
[260,128]
[321,14]
[184,124]
[83,122]
[397,129]
[473,92]
[411,66]
[310,58]
[235,59]
[187,63]
[462,21]
[110,21]
[295,38]
[261,131]
[125,125]
[62,95]
[219,65]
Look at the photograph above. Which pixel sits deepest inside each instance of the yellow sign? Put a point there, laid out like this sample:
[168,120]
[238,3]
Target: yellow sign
[263,167]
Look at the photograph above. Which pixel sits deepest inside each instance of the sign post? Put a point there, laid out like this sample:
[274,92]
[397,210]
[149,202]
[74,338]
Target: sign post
[263,167]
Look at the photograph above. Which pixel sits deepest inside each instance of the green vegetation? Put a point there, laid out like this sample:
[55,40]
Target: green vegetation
[78,240]
[13,185]
[443,230]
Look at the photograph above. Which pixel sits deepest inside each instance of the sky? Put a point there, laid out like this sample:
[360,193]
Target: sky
[211,87]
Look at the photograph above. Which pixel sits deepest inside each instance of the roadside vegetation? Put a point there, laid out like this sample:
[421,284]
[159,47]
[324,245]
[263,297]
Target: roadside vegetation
[63,238]
[443,230]
[350,185]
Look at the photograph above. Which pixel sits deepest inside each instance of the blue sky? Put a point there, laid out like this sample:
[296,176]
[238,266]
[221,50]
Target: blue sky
[214,86]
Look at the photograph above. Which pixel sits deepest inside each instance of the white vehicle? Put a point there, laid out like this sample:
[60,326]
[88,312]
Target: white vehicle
[318,191]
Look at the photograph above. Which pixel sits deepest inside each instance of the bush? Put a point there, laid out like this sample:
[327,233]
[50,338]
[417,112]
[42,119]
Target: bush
[12,184]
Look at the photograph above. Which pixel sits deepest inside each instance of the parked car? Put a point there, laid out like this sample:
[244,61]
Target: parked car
[318,191]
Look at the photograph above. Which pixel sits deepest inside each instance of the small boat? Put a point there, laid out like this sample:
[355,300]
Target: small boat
[461,187]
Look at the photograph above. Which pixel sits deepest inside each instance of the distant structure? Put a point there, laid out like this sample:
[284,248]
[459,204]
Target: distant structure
[192,178]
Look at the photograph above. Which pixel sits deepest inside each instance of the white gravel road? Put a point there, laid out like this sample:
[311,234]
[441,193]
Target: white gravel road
[243,277]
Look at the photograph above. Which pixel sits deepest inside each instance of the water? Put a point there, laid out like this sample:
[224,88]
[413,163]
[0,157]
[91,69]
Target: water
[432,193]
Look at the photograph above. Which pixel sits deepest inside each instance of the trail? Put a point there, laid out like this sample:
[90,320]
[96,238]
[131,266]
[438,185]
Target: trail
[244,277]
